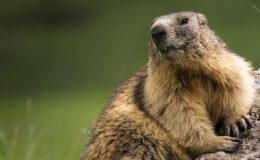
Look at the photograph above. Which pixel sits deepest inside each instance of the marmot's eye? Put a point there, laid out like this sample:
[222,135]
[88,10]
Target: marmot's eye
[184,21]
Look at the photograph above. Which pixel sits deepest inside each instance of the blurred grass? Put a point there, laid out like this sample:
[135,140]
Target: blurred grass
[60,61]
[49,126]
[256,8]
[51,45]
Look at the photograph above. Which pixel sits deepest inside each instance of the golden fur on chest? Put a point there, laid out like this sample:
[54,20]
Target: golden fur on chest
[215,82]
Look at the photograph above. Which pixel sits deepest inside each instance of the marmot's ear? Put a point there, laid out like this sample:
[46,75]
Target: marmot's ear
[202,19]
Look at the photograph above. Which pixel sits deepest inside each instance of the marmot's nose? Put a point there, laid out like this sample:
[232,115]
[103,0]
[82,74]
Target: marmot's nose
[158,33]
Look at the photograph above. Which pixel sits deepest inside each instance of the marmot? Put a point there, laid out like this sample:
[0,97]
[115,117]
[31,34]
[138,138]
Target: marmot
[192,87]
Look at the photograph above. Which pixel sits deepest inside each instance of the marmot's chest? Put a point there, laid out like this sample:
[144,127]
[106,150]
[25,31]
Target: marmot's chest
[201,89]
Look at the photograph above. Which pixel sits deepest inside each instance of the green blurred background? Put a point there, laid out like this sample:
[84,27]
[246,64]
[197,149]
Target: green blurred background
[60,61]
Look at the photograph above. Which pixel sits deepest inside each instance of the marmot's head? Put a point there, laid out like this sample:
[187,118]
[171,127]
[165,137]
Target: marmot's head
[178,35]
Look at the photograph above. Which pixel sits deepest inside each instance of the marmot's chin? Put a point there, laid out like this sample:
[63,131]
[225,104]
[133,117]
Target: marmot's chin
[168,52]
[163,52]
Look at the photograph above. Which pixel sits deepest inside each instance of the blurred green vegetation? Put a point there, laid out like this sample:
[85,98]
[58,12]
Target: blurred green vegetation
[52,126]
[60,61]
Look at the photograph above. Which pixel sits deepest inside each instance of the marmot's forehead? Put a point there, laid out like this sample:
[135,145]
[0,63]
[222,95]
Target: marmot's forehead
[187,13]
[172,17]
[175,15]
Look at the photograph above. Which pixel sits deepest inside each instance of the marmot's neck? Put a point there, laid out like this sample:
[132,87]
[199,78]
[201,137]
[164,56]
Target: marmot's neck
[166,77]
[201,59]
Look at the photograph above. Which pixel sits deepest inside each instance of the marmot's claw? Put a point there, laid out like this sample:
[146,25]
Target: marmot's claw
[225,130]
[234,129]
[233,139]
[242,124]
[232,144]
[248,122]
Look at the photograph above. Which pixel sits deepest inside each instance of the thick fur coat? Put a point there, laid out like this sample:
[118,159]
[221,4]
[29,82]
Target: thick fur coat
[188,100]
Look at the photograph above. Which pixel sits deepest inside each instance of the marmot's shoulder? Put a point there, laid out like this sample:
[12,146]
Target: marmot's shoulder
[129,89]
[130,92]
[126,127]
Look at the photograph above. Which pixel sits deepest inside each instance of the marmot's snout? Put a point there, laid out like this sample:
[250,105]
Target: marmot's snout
[159,37]
[158,34]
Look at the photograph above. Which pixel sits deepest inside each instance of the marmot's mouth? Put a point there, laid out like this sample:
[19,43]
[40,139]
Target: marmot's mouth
[164,50]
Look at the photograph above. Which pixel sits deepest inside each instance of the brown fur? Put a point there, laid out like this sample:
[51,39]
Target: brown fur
[171,108]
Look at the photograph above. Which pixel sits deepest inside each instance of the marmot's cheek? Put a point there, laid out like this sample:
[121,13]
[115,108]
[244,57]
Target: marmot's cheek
[178,43]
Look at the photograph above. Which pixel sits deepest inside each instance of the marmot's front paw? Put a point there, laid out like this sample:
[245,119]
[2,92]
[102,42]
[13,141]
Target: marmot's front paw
[233,129]
[230,144]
